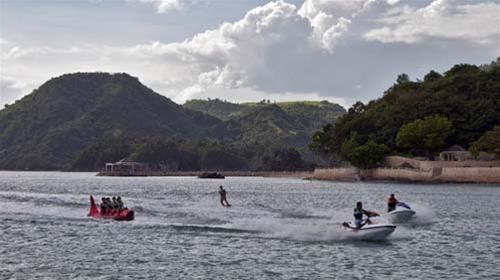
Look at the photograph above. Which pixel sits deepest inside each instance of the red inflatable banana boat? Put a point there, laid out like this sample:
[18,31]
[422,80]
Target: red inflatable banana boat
[118,215]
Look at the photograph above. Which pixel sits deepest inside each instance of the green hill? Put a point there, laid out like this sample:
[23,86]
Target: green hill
[466,96]
[81,120]
[291,123]
[315,112]
[215,107]
[48,128]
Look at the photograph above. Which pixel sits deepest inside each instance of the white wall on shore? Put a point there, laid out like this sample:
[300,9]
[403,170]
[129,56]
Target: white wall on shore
[396,174]
[447,174]
[397,161]
[350,174]
[472,174]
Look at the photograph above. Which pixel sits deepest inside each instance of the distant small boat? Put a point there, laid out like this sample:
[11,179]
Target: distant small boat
[211,175]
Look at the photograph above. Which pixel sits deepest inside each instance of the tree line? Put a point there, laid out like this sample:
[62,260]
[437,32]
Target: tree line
[419,118]
[171,154]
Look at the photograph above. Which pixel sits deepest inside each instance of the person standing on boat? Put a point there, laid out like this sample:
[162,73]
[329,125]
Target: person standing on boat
[223,197]
[358,215]
[391,203]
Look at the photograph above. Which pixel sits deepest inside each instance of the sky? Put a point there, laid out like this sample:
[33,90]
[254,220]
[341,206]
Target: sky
[244,50]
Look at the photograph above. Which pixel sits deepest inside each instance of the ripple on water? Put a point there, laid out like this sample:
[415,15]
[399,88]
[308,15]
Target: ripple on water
[279,228]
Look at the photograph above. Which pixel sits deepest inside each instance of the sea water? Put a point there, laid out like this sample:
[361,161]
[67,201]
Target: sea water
[277,228]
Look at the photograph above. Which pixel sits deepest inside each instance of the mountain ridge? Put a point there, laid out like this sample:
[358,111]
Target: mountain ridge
[49,128]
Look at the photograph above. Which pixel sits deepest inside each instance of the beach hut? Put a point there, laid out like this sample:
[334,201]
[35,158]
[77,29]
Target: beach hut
[456,153]
[126,167]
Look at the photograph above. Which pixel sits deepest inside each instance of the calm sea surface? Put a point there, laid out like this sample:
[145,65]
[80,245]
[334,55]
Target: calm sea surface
[278,228]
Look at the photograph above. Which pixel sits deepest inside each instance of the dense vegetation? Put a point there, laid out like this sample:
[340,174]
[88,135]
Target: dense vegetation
[418,117]
[426,135]
[314,112]
[48,128]
[288,122]
[82,120]
[489,143]
[169,154]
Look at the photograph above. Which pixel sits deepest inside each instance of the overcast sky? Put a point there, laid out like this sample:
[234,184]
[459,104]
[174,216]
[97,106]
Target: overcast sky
[244,50]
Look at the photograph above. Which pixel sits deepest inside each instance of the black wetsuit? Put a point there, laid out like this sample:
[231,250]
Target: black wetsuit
[223,198]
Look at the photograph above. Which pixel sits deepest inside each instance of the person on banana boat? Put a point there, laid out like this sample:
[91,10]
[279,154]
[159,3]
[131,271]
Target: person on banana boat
[105,207]
[119,203]
[114,203]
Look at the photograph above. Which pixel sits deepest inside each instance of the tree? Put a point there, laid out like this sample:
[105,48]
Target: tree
[489,143]
[320,141]
[284,160]
[357,107]
[218,156]
[368,155]
[426,135]
[159,153]
[468,96]
[432,76]
[108,150]
[402,78]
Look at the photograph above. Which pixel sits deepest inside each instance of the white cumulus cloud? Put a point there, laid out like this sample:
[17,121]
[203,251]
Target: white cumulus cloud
[323,49]
[10,89]
[447,19]
[163,6]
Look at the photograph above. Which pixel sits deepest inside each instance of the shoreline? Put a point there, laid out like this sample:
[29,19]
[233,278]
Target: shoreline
[278,174]
[460,175]
[403,181]
[347,175]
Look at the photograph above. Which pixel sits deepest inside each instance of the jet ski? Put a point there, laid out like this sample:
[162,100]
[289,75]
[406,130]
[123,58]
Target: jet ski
[373,229]
[401,214]
[121,215]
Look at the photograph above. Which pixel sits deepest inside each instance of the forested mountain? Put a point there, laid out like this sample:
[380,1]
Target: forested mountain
[314,112]
[284,122]
[82,120]
[215,107]
[418,117]
[48,128]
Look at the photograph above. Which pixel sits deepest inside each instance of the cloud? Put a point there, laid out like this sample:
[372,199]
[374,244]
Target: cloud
[256,52]
[10,90]
[163,6]
[442,19]
[16,52]
[323,49]
[274,48]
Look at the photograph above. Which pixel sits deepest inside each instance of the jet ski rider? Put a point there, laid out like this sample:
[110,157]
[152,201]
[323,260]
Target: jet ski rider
[358,215]
[391,203]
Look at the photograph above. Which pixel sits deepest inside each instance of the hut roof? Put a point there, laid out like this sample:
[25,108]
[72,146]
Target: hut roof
[126,161]
[455,148]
